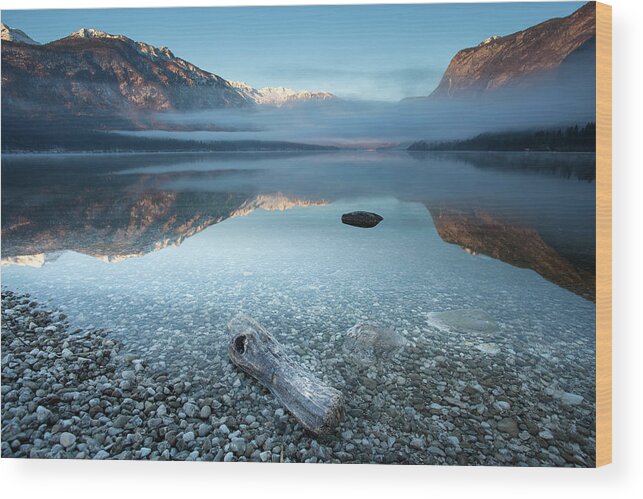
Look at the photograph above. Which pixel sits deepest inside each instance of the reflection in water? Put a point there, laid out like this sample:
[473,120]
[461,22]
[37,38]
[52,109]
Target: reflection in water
[479,232]
[573,166]
[137,225]
[491,351]
[531,210]
[114,218]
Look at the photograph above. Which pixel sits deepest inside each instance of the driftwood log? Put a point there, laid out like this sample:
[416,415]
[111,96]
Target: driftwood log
[317,406]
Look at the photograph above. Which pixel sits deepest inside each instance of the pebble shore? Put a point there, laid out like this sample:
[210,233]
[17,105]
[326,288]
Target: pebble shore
[70,393]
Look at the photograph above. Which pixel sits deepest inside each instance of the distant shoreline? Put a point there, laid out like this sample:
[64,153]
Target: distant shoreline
[24,154]
[495,151]
[568,139]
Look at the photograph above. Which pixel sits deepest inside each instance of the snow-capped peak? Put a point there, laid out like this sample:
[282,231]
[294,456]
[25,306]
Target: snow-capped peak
[487,41]
[94,33]
[16,35]
[279,96]
[242,85]
[143,48]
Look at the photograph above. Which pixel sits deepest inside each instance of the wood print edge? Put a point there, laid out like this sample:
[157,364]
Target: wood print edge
[603,234]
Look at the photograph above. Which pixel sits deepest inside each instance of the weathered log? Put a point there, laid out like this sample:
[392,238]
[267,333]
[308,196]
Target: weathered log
[364,219]
[317,406]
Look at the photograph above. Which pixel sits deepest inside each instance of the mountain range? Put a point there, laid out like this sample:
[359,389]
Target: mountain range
[93,80]
[91,72]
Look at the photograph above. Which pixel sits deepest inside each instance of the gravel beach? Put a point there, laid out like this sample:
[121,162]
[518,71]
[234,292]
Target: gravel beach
[70,393]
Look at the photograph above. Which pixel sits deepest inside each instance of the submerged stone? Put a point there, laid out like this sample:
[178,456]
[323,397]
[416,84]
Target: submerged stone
[366,343]
[489,348]
[566,398]
[464,321]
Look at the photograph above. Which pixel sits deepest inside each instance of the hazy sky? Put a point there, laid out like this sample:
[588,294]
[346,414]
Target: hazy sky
[381,52]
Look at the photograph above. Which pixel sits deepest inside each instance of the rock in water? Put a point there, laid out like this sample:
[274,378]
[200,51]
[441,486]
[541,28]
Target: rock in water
[566,398]
[364,219]
[367,343]
[490,348]
[317,406]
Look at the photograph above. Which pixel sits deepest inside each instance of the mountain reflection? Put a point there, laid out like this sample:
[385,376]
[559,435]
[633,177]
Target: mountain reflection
[532,211]
[150,222]
[479,232]
[117,217]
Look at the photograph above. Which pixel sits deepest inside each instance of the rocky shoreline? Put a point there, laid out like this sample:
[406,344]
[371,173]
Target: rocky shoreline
[70,393]
[73,394]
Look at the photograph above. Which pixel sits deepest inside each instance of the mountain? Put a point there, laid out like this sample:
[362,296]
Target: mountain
[91,72]
[548,51]
[280,96]
[16,35]
[98,74]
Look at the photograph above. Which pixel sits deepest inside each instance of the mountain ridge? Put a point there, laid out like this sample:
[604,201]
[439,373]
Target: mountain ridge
[94,72]
[16,35]
[280,96]
[520,58]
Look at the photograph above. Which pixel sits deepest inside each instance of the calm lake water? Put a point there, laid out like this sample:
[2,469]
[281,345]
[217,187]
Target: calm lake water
[164,249]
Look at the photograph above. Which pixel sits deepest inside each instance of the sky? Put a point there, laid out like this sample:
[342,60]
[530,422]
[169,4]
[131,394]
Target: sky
[370,52]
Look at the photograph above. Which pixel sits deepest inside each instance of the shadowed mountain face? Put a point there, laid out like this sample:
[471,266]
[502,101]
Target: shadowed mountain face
[538,55]
[479,232]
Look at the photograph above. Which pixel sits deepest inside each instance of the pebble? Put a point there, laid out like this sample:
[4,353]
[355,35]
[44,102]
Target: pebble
[571,398]
[546,434]
[436,451]
[67,439]
[43,414]
[238,445]
[443,406]
[190,409]
[509,426]
[502,405]
[417,443]
[454,441]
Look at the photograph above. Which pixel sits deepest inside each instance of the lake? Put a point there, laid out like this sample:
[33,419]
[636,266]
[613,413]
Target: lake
[164,249]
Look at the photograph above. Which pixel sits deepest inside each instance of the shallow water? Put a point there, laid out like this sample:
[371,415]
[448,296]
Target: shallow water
[163,250]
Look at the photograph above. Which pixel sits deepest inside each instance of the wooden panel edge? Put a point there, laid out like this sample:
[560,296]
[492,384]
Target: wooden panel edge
[603,234]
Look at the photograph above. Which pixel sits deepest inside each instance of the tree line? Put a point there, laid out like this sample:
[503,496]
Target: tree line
[569,139]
